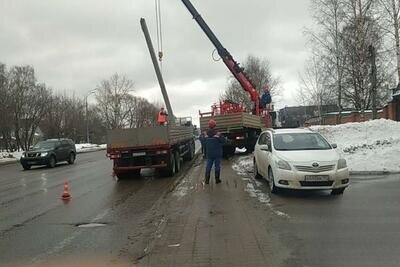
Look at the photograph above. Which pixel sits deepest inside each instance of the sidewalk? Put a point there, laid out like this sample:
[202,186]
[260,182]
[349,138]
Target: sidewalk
[214,225]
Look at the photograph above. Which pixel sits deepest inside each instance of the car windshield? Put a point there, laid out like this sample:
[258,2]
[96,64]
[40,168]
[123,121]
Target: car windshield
[44,145]
[300,141]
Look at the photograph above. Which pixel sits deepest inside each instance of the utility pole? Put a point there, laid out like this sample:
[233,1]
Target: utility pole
[372,52]
[171,118]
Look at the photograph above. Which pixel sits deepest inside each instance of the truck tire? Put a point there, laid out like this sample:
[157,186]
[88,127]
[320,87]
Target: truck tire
[177,162]
[170,169]
[228,151]
[190,153]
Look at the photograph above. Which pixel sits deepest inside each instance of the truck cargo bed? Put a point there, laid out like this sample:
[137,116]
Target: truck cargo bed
[148,137]
[233,121]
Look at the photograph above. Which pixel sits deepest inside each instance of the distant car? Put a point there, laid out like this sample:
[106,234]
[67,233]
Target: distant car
[299,159]
[49,153]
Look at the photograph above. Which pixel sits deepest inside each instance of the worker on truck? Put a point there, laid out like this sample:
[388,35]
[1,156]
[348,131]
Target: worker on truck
[162,117]
[213,142]
[266,98]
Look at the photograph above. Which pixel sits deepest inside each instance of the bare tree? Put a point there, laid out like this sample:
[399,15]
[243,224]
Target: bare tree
[315,85]
[5,110]
[327,41]
[29,104]
[114,101]
[259,72]
[390,20]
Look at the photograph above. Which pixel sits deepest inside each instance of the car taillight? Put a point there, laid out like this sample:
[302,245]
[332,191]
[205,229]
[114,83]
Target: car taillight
[239,137]
[162,152]
[115,156]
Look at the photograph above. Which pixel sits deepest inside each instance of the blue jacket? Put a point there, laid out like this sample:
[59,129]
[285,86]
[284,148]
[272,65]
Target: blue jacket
[213,141]
[265,99]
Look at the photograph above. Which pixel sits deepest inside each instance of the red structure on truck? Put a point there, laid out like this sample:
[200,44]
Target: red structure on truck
[243,128]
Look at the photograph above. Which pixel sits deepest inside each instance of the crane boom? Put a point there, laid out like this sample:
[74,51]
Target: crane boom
[227,58]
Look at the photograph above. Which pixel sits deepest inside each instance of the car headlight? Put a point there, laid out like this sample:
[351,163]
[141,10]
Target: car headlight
[284,165]
[23,155]
[342,164]
[44,154]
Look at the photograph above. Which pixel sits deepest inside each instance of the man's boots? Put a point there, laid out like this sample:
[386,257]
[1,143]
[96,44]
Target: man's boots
[217,179]
[207,179]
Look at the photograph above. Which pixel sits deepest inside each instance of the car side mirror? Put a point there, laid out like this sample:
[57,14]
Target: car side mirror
[265,148]
[334,145]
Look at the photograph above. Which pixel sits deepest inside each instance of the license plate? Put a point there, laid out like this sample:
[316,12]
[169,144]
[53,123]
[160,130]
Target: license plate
[138,154]
[32,162]
[316,178]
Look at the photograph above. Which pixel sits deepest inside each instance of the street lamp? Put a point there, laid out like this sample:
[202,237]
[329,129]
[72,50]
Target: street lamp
[86,113]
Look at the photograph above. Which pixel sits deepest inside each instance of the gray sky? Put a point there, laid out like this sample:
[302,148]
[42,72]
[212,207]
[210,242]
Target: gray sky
[73,45]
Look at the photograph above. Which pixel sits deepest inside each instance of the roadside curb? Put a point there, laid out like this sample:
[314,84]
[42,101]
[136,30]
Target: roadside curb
[3,163]
[9,162]
[373,172]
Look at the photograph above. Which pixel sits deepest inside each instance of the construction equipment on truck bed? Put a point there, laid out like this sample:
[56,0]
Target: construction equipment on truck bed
[158,147]
[241,127]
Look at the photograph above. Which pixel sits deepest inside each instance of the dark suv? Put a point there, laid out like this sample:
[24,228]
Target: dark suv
[49,152]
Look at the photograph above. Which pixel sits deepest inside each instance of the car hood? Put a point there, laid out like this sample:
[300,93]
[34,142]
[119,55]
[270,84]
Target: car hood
[309,155]
[38,151]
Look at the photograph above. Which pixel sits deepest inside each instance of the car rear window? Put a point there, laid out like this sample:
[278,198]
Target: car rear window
[300,141]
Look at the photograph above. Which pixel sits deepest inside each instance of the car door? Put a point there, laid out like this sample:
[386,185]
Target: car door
[65,149]
[58,149]
[261,155]
[268,154]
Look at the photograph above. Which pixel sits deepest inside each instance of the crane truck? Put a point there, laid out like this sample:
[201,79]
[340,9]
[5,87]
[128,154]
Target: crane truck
[240,126]
[157,147]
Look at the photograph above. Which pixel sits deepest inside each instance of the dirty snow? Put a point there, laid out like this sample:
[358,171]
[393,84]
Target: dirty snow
[81,148]
[244,167]
[372,146]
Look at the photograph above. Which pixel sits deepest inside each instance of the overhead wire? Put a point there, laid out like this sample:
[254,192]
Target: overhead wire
[159,31]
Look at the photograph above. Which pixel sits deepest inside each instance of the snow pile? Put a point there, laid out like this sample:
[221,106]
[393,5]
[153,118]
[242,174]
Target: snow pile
[81,148]
[244,165]
[367,146]
[10,156]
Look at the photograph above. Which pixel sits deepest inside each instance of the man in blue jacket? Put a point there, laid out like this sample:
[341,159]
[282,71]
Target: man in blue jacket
[266,98]
[213,144]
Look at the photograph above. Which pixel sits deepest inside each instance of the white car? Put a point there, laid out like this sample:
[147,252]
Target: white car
[299,159]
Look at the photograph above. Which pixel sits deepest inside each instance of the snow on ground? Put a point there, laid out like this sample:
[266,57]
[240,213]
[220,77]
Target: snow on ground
[10,156]
[80,148]
[372,146]
[244,167]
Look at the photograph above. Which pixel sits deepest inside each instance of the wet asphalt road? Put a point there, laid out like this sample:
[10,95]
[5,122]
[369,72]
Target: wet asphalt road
[360,228]
[36,225]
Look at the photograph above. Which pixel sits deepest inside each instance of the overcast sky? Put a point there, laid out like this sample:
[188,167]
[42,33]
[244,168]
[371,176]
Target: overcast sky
[73,45]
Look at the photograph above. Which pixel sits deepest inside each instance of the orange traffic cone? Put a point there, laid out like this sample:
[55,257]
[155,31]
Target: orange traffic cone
[66,195]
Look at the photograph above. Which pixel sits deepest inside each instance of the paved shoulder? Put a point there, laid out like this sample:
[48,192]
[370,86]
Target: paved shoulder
[215,225]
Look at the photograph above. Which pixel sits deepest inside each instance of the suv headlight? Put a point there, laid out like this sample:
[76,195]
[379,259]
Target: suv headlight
[284,165]
[342,164]
[44,154]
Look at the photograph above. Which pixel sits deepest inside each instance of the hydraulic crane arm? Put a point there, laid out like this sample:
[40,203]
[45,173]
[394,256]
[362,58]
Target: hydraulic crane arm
[232,65]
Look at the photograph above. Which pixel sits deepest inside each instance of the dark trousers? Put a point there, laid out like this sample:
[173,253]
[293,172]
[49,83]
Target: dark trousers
[217,165]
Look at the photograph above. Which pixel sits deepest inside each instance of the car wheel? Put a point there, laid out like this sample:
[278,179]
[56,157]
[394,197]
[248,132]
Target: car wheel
[71,158]
[256,173]
[26,166]
[338,191]
[271,182]
[52,162]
